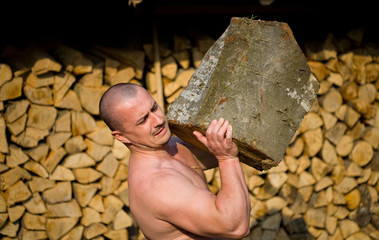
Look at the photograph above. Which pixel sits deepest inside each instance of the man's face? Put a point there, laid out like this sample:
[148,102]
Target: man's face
[145,125]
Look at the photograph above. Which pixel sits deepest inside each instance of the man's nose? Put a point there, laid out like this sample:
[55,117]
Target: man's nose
[157,119]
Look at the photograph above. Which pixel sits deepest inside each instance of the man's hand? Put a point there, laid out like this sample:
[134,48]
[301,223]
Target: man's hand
[219,139]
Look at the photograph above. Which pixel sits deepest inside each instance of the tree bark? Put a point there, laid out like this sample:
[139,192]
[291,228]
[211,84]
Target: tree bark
[255,76]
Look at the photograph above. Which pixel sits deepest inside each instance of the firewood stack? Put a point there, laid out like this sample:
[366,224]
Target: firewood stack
[63,176]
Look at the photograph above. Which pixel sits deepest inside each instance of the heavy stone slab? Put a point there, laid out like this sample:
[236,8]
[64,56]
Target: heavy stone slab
[256,76]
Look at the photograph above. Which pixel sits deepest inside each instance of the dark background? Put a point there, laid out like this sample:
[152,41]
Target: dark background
[120,24]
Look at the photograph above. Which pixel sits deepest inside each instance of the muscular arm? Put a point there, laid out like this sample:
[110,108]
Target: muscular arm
[198,211]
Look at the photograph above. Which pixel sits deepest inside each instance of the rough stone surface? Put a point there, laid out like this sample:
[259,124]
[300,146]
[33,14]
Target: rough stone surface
[247,78]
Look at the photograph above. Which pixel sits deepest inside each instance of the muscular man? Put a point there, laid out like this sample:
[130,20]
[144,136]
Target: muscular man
[169,198]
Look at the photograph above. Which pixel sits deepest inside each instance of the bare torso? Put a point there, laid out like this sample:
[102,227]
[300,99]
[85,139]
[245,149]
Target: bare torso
[143,172]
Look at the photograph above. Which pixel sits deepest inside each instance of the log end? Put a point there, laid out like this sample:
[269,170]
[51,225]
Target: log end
[248,154]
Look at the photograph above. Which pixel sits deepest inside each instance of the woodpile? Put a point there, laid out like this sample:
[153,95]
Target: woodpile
[63,176]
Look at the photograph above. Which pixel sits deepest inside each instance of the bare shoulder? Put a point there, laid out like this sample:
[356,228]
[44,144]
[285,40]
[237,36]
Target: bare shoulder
[155,178]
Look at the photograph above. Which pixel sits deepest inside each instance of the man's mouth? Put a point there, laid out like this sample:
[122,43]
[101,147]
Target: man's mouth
[162,127]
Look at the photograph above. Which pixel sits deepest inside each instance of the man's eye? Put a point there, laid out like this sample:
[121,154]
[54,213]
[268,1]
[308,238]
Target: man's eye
[142,121]
[154,108]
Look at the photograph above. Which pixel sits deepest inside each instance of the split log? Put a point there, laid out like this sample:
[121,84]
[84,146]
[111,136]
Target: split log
[11,89]
[5,73]
[73,60]
[130,57]
[214,91]
[331,101]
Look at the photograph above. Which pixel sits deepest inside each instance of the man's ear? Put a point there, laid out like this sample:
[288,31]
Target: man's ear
[120,136]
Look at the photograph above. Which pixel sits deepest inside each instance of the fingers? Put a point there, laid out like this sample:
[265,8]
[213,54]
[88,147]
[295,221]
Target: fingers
[222,131]
[200,137]
[218,131]
[229,135]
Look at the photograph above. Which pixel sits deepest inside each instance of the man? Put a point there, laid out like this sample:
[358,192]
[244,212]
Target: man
[169,198]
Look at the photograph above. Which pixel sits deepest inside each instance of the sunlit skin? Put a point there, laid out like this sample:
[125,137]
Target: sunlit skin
[168,192]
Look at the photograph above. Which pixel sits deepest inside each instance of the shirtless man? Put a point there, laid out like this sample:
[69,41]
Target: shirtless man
[169,198]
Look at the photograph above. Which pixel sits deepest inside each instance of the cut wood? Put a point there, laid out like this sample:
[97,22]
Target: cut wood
[53,159]
[108,166]
[345,145]
[61,192]
[112,205]
[313,141]
[62,83]
[16,212]
[130,57]
[17,156]
[335,133]
[56,140]
[75,234]
[11,89]
[319,70]
[349,91]
[329,119]
[75,145]
[37,184]
[84,193]
[336,79]
[42,96]
[124,75]
[17,126]
[87,175]
[63,122]
[40,81]
[57,227]
[41,117]
[169,68]
[35,204]
[38,153]
[348,115]
[34,222]
[90,216]
[36,168]
[90,97]
[367,93]
[73,60]
[3,136]
[220,84]
[18,192]
[41,61]
[331,101]
[82,123]
[94,78]
[5,73]
[102,135]
[12,176]
[362,153]
[96,151]
[69,101]
[64,209]
[95,230]
[62,174]
[183,58]
[78,160]
[122,220]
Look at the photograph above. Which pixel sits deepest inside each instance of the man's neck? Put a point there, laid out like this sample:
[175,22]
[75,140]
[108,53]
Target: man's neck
[147,152]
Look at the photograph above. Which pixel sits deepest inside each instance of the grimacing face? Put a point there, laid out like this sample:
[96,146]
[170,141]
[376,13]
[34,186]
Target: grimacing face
[145,125]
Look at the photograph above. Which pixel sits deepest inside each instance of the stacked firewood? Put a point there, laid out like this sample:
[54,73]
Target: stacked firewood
[63,176]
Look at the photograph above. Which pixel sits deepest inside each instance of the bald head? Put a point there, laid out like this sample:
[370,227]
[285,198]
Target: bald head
[112,98]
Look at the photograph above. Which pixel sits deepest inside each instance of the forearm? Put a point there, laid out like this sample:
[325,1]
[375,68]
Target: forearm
[233,200]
